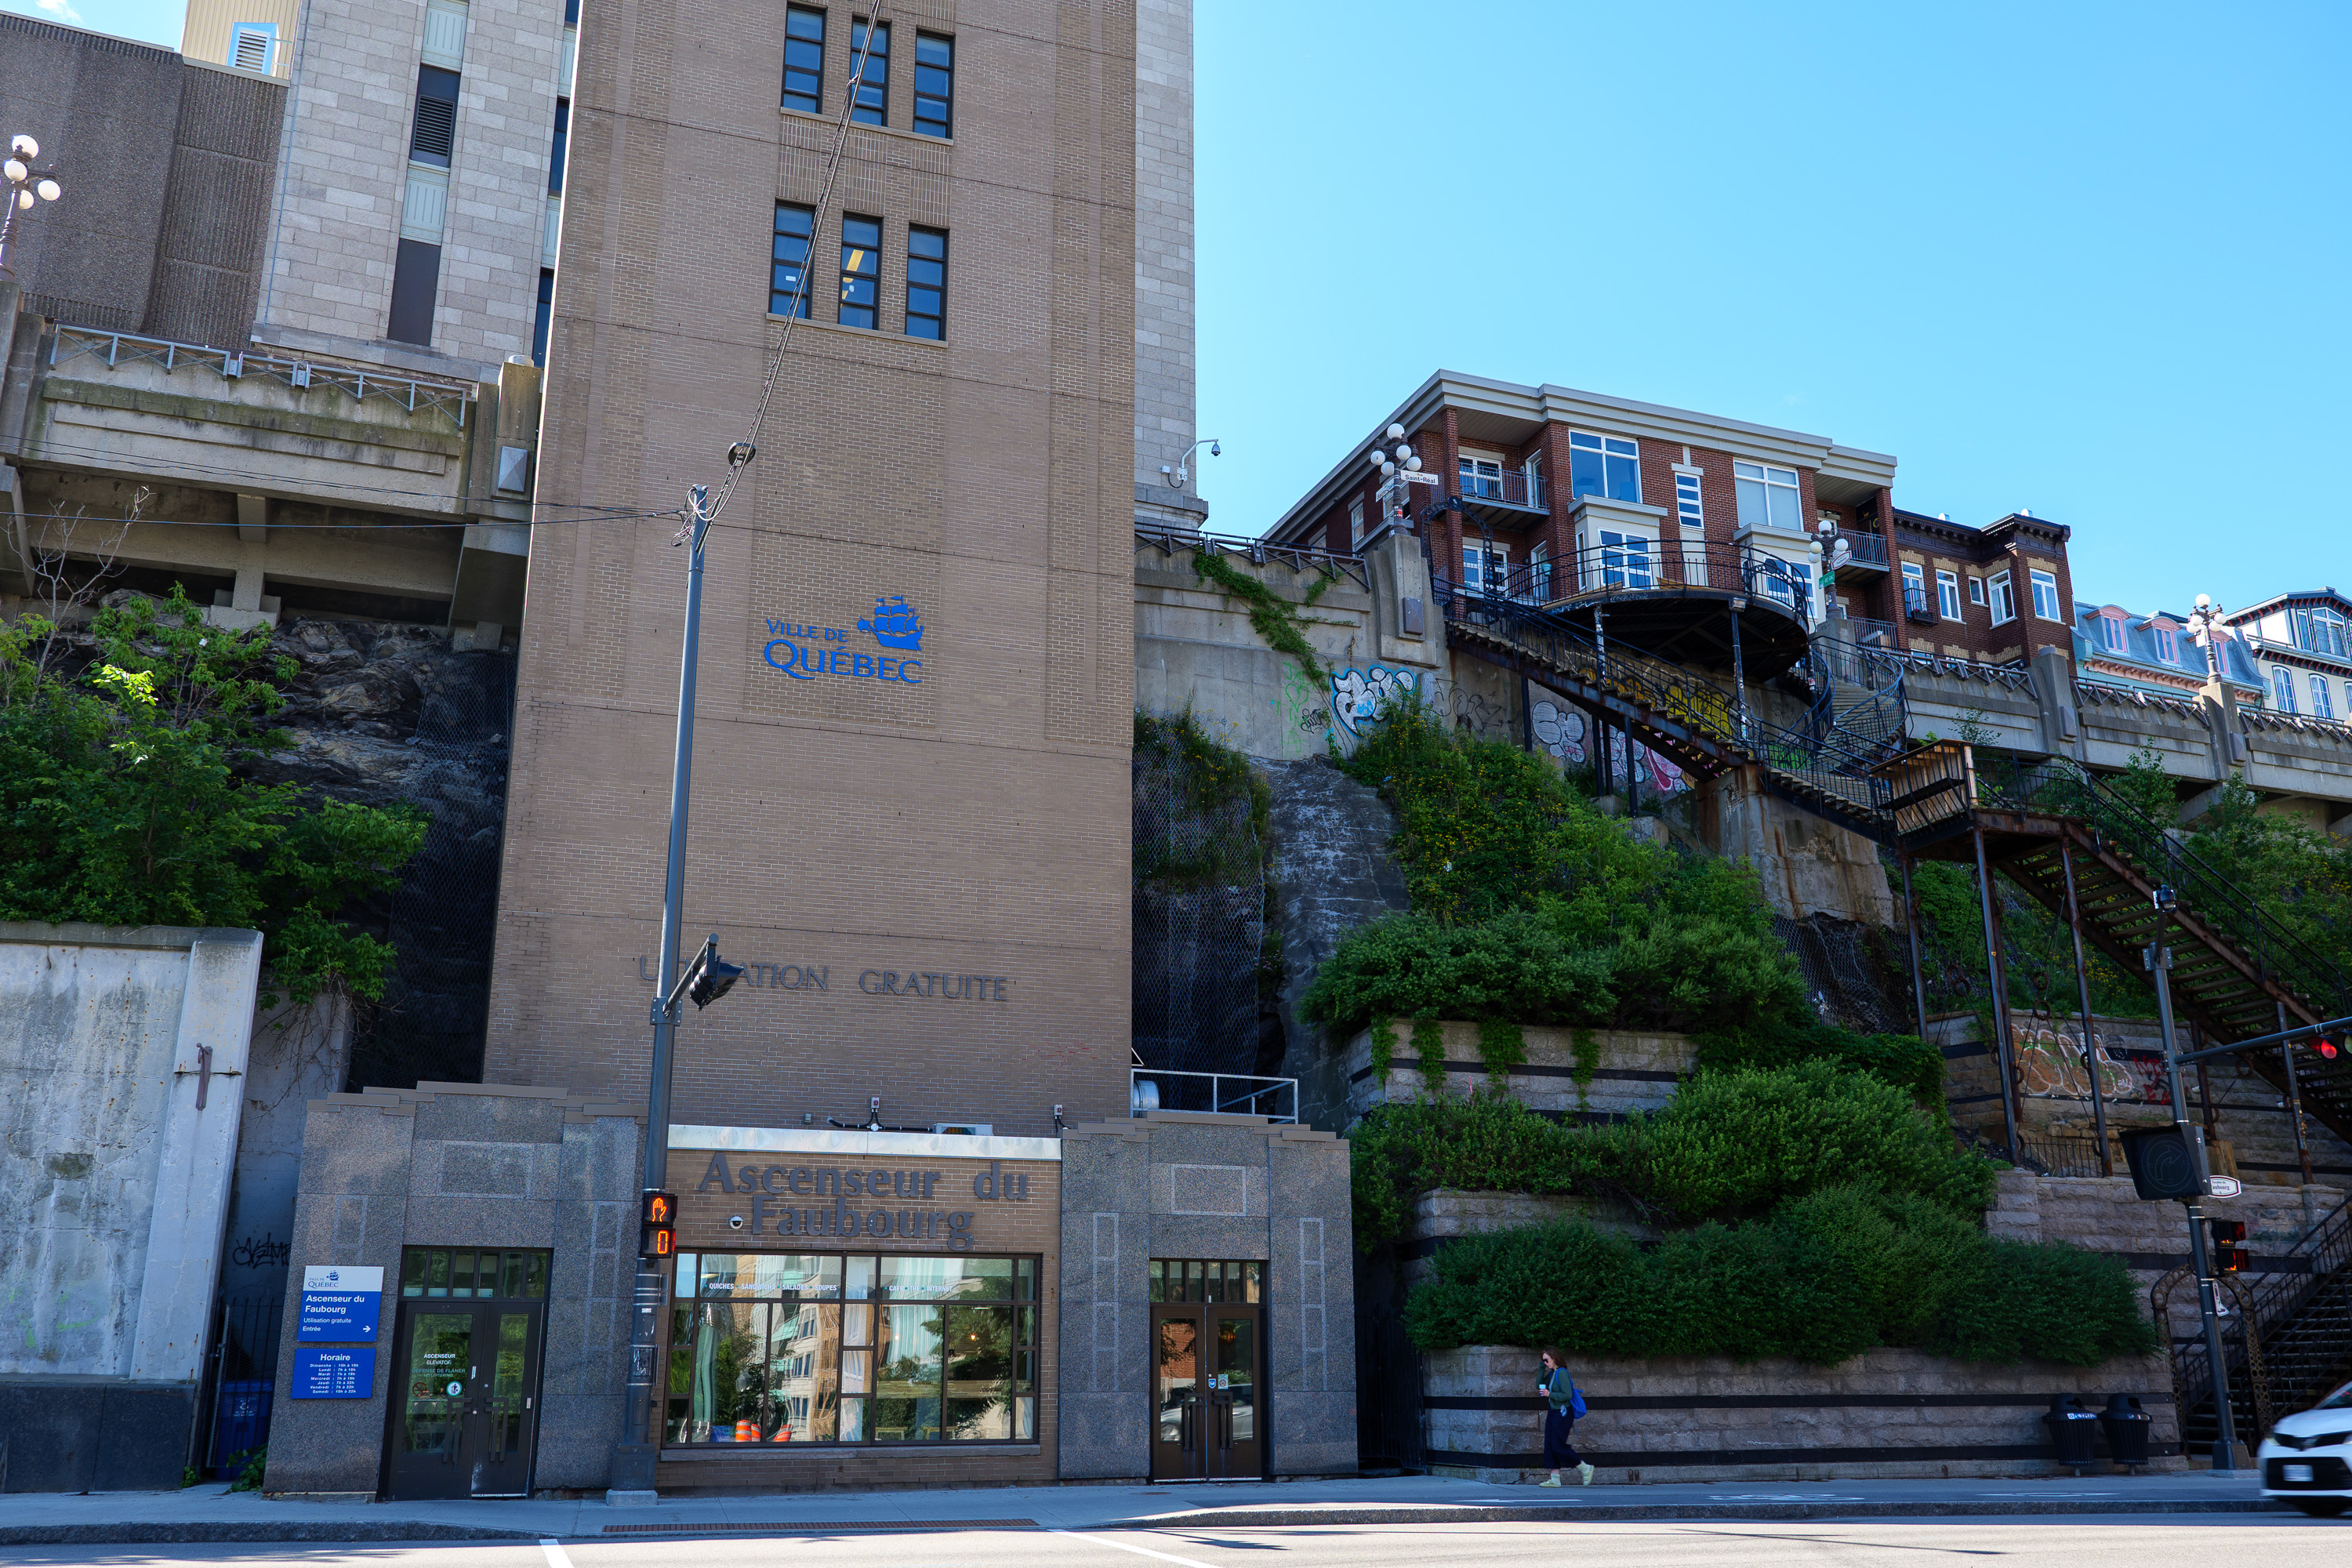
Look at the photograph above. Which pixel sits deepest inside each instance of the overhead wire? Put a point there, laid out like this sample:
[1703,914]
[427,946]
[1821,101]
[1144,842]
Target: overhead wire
[749,445]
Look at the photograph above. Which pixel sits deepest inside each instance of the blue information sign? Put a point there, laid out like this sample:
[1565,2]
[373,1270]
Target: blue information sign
[340,1302]
[333,1374]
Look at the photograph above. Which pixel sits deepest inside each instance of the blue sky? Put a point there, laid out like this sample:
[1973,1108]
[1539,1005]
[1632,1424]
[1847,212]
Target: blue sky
[2083,258]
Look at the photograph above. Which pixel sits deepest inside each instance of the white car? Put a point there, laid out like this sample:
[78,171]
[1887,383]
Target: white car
[2306,1460]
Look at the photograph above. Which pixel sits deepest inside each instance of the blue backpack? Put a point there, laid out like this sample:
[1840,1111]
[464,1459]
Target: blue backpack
[1575,1401]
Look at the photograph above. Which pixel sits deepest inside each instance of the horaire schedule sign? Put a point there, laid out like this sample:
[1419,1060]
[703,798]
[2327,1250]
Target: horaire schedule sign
[345,1374]
[341,1302]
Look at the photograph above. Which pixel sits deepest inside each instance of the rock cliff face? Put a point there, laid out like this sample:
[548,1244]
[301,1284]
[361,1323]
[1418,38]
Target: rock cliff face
[383,713]
[1333,872]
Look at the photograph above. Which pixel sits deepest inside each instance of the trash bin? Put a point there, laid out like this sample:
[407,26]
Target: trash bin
[2127,1427]
[240,1424]
[2073,1430]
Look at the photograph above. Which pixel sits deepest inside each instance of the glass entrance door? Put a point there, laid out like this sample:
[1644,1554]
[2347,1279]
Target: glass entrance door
[465,1400]
[1208,1403]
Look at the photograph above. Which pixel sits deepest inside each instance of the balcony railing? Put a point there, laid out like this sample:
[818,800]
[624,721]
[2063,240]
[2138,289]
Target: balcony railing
[1866,551]
[1512,487]
[1918,605]
[1638,566]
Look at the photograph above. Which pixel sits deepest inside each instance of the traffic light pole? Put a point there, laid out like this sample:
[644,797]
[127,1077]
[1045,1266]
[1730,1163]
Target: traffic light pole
[633,1460]
[2158,960]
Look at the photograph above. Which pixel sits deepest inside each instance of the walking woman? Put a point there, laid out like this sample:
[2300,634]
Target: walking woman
[1559,1420]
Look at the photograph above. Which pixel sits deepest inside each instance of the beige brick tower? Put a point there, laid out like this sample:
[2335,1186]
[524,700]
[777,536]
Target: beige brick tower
[911,818]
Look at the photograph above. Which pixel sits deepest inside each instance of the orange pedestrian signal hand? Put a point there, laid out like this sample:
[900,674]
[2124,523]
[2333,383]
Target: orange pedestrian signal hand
[657,1216]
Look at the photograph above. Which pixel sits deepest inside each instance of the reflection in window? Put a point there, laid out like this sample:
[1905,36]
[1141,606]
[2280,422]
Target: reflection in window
[1624,560]
[934,84]
[922,1350]
[1608,465]
[1767,496]
[873,104]
[804,59]
[861,270]
[788,293]
[926,283]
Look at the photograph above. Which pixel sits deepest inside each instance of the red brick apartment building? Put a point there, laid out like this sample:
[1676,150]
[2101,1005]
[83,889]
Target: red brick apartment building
[1552,493]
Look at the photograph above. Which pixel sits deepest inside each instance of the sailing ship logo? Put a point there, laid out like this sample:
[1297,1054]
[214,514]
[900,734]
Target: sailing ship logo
[894,624]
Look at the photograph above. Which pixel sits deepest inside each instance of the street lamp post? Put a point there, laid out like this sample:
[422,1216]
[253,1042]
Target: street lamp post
[2205,627]
[25,185]
[633,1460]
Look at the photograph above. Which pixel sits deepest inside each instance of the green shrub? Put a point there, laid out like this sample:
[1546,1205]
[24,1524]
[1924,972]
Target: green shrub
[1731,1144]
[1820,1279]
[1736,1143]
[1510,969]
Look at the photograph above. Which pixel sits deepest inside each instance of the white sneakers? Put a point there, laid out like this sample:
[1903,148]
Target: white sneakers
[1585,1471]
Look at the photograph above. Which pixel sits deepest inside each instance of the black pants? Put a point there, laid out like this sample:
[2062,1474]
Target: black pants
[1559,1455]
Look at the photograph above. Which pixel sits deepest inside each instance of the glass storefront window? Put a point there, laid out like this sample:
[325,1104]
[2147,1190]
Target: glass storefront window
[822,1348]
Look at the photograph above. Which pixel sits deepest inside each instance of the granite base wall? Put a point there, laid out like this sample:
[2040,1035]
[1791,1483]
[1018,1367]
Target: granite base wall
[1631,1070]
[93,1433]
[1886,1415]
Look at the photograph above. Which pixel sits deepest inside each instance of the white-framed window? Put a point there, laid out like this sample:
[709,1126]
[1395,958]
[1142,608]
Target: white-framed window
[1914,586]
[2045,594]
[1767,496]
[1689,504]
[1976,591]
[1355,520]
[1482,477]
[1608,465]
[2168,644]
[2282,688]
[2111,633]
[2323,631]
[2322,705]
[1624,559]
[251,46]
[1948,595]
[1539,575]
[2004,599]
[1483,568]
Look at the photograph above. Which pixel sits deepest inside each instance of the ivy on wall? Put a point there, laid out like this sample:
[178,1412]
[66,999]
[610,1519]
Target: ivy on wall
[1275,618]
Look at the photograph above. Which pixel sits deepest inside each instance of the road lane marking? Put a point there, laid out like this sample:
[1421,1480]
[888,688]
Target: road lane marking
[554,1549]
[1130,1546]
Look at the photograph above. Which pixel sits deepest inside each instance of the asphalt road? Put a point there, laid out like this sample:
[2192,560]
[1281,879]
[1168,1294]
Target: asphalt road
[2283,1542]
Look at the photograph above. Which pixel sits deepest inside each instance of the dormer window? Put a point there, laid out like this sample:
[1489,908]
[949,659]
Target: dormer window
[2111,633]
[2168,644]
[2322,631]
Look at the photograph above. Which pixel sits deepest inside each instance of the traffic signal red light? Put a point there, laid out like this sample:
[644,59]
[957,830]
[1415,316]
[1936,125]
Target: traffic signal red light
[2229,1246]
[2327,1049]
[658,1222]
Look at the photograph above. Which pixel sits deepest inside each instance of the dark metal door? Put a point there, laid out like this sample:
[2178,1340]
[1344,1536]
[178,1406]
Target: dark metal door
[1208,1393]
[465,1416]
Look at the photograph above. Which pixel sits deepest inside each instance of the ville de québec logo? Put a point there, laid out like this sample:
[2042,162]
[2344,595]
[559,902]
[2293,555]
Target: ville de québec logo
[804,653]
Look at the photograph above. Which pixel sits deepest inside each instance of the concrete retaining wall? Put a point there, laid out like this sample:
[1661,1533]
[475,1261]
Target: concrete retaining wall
[1885,1414]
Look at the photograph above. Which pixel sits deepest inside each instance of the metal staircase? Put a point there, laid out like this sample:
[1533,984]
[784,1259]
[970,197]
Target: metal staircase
[2301,1318]
[1821,763]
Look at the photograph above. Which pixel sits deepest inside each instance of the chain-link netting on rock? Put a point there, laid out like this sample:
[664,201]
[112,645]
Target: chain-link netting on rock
[1200,901]
[1852,972]
[432,1017]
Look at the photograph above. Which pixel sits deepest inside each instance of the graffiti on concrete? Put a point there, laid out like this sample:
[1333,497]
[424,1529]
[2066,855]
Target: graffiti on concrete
[1357,694]
[1565,732]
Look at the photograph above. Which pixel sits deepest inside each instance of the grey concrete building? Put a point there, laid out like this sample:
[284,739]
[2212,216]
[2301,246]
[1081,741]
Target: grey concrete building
[1165,418]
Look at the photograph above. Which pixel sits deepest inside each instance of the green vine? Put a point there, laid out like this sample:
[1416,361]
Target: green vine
[1588,1061]
[1501,1047]
[1274,618]
[1384,1052]
[1429,1045]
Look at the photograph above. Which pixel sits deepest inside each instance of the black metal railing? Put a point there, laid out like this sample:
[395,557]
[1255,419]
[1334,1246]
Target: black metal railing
[1919,605]
[240,1375]
[2207,894]
[1858,550]
[1634,567]
[2297,1360]
[1512,487]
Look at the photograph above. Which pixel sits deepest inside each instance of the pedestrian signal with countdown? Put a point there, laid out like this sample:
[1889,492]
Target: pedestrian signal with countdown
[657,1225]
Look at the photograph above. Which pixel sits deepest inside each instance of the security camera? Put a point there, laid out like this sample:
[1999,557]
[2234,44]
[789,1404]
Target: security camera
[734,1221]
[1216,450]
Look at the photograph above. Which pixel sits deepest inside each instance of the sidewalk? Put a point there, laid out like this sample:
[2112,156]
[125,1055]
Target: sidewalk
[211,1513]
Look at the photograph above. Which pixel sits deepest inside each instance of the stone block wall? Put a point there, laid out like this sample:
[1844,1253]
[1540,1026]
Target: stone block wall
[1886,1414]
[2253,1135]
[1631,1070]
